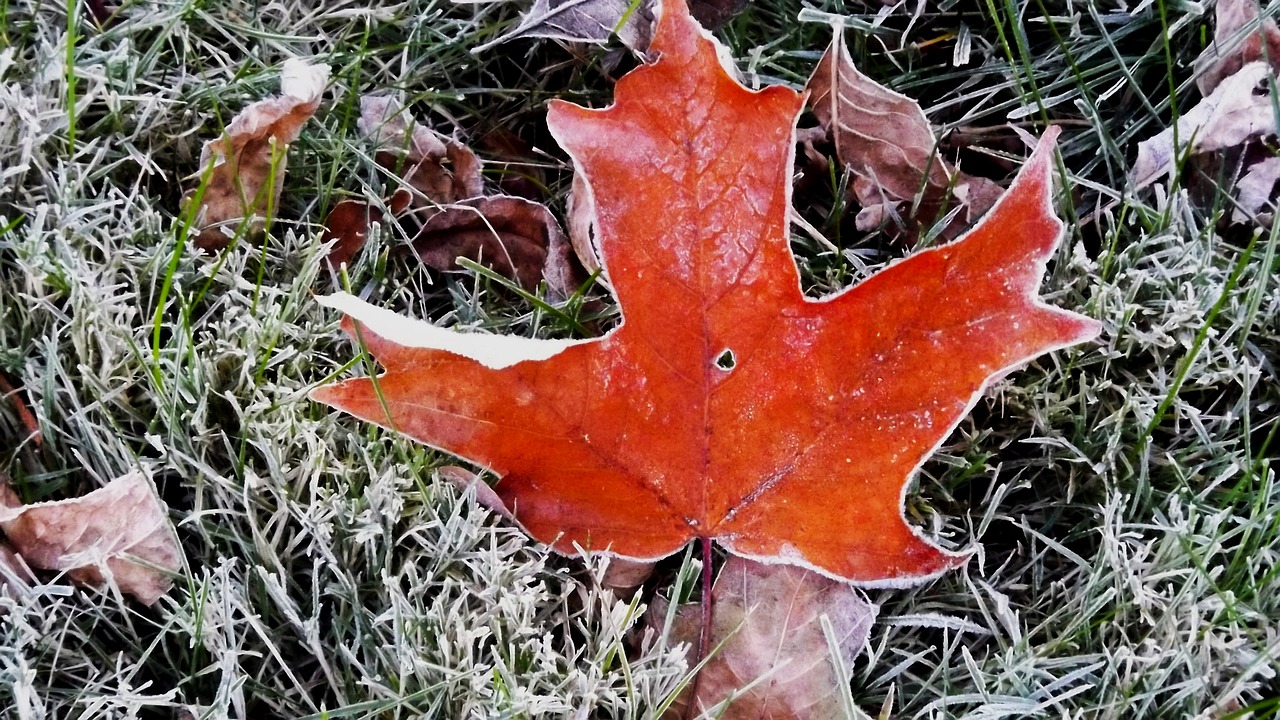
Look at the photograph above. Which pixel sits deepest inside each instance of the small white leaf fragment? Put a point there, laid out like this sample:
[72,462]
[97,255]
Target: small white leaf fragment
[492,351]
[118,533]
[591,21]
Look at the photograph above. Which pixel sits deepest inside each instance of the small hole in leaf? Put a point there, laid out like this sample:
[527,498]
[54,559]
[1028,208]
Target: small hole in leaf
[726,361]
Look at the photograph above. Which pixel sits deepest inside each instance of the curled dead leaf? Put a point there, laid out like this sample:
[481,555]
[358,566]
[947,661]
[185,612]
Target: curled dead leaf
[885,140]
[119,532]
[463,479]
[771,655]
[624,576]
[246,166]
[14,574]
[516,237]
[581,214]
[348,225]
[592,21]
[441,169]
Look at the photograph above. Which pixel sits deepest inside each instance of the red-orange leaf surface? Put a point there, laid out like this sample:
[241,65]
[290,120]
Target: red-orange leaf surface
[639,441]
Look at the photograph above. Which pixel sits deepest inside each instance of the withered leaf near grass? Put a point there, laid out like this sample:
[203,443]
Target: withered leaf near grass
[441,169]
[119,532]
[463,479]
[768,630]
[252,152]
[1238,39]
[885,140]
[28,419]
[595,21]
[592,21]
[516,237]
[1237,111]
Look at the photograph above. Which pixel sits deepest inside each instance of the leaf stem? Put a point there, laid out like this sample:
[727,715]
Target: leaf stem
[704,635]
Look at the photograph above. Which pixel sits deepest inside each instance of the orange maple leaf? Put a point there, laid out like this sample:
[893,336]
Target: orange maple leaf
[639,441]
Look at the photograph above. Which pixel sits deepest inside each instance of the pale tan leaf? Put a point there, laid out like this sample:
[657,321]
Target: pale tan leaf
[14,574]
[624,576]
[1255,192]
[885,140]
[772,657]
[119,533]
[1238,110]
[251,152]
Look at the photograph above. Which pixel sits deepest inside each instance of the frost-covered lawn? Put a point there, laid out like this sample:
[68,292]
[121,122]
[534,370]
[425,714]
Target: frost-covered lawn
[1122,494]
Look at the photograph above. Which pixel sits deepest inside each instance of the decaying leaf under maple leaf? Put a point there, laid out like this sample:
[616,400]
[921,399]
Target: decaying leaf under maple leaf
[251,153]
[120,532]
[885,140]
[727,405]
[768,638]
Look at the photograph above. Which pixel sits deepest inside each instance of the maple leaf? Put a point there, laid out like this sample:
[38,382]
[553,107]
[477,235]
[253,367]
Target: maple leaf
[727,405]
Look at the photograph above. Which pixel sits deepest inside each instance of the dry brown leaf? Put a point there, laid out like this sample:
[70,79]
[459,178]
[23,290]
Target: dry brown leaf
[767,630]
[243,159]
[119,532]
[348,224]
[1238,39]
[442,169]
[14,574]
[1237,111]
[885,140]
[516,237]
